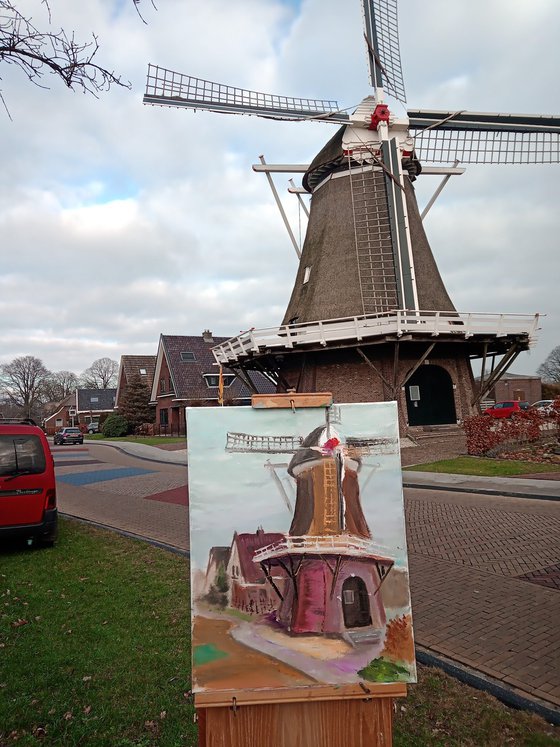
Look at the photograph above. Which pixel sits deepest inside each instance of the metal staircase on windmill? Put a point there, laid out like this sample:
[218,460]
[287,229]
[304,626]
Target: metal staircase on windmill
[369,317]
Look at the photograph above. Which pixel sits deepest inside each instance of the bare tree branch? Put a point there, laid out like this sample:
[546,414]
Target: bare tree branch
[38,52]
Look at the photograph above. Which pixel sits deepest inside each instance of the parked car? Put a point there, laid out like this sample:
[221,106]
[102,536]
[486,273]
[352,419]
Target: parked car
[27,484]
[93,427]
[69,436]
[506,409]
[543,406]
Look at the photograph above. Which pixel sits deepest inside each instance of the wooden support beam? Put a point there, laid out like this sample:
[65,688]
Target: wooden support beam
[377,371]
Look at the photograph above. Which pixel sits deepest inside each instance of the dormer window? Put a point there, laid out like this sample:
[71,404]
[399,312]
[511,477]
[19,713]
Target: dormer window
[213,380]
[187,357]
[306,274]
[94,399]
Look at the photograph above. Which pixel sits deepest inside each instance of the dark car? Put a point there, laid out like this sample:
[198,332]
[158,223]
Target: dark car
[27,484]
[506,409]
[69,436]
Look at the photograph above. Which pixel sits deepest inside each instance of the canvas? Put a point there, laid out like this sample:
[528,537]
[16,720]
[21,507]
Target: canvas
[298,549]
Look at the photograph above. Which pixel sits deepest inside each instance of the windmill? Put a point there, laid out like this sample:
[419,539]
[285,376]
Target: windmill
[332,566]
[369,317]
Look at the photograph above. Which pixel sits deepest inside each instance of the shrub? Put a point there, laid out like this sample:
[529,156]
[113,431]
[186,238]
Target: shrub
[487,435]
[115,426]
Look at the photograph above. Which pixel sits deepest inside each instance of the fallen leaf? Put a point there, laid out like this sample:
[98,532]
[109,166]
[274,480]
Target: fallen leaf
[68,716]
[19,622]
[162,715]
[87,710]
[87,678]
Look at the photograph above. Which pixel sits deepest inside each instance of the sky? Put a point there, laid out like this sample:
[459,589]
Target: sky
[120,222]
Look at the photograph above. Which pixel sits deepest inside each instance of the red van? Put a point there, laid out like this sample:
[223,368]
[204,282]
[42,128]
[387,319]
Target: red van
[27,484]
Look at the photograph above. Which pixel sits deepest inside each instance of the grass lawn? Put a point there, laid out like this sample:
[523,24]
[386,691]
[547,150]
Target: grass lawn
[95,650]
[467,465]
[95,644]
[148,440]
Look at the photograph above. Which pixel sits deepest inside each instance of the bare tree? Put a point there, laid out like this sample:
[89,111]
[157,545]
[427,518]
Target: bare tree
[23,381]
[59,385]
[550,369]
[37,51]
[102,374]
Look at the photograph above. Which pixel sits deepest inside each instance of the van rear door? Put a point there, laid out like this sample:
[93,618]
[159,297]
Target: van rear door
[25,476]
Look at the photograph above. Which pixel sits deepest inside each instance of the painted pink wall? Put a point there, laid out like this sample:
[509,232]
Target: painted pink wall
[314,610]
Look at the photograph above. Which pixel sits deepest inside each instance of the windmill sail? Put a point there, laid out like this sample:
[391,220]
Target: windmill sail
[381,34]
[168,88]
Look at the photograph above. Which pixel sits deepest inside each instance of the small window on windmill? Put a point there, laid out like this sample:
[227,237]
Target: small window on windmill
[414,392]
[348,595]
[94,399]
[306,274]
[143,372]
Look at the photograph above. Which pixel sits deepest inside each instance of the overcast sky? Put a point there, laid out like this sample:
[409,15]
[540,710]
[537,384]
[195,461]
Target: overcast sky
[120,221]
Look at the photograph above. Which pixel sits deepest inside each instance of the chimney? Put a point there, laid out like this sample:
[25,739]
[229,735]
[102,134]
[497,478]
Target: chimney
[207,336]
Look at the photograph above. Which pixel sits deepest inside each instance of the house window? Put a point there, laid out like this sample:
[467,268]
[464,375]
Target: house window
[162,387]
[143,372]
[94,399]
[306,274]
[213,380]
[58,422]
[164,416]
[187,357]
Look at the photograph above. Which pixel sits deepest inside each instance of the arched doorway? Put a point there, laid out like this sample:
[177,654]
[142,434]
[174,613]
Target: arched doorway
[355,603]
[429,397]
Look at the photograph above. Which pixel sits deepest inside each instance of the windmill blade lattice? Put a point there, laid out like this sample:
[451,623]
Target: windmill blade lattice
[381,33]
[168,88]
[485,138]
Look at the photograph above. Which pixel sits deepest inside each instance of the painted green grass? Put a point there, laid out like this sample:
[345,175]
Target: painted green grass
[94,644]
[95,651]
[383,670]
[148,440]
[466,465]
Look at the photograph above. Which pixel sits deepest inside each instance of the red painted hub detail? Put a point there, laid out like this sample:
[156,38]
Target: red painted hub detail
[380,114]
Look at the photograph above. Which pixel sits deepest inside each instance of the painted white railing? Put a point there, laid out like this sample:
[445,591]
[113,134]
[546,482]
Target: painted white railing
[340,544]
[360,328]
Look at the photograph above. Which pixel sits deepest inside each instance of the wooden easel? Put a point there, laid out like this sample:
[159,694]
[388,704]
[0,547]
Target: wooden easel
[356,715]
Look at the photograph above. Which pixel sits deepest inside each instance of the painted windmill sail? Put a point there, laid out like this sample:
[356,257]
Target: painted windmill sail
[368,292]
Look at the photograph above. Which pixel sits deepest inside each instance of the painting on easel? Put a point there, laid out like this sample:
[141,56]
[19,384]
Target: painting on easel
[298,549]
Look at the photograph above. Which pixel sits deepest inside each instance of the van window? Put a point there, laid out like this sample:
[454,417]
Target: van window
[19,453]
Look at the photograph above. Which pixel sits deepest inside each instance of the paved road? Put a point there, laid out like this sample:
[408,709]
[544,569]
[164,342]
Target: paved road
[103,484]
[485,569]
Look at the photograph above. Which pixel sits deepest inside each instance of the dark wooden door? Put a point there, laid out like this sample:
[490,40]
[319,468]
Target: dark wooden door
[429,397]
[355,603]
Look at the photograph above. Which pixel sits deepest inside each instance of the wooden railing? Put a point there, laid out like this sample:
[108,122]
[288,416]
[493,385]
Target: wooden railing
[340,544]
[360,328]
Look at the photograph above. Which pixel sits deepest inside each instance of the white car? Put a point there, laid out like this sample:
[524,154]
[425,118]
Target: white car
[544,406]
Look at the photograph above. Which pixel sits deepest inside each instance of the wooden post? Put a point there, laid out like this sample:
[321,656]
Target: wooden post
[352,715]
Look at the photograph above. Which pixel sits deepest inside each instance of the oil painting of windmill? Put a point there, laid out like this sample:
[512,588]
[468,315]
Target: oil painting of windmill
[369,317]
[298,549]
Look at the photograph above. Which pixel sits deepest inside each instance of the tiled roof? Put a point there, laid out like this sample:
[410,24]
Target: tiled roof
[133,364]
[247,545]
[187,376]
[105,399]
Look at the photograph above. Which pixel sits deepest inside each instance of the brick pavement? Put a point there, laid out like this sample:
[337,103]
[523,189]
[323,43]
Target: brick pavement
[151,504]
[475,599]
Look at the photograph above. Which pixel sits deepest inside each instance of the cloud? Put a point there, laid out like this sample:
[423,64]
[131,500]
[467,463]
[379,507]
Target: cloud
[121,221]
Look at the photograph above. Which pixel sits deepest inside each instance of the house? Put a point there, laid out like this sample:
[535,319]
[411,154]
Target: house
[250,590]
[517,387]
[80,408]
[186,374]
[143,366]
